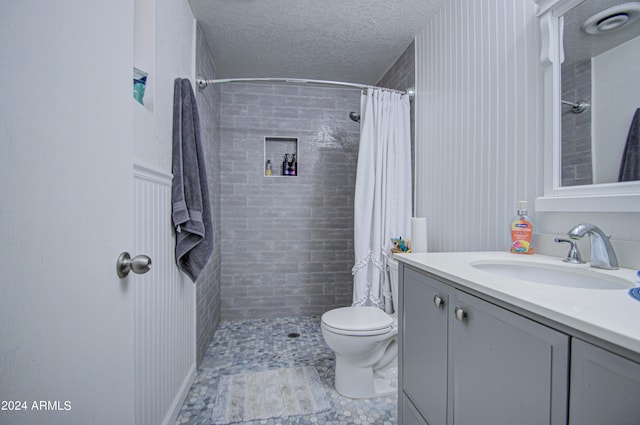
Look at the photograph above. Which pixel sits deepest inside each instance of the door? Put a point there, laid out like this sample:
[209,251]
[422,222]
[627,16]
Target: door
[66,342]
[507,369]
[424,344]
[605,387]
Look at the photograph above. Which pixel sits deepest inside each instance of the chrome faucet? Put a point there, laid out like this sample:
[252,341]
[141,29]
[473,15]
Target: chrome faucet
[602,254]
[573,256]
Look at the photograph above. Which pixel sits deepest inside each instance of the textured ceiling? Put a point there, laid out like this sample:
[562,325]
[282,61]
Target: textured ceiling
[352,41]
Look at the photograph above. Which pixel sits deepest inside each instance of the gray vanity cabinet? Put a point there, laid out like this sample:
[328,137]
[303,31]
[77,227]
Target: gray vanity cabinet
[505,368]
[409,414]
[464,361]
[605,388]
[425,325]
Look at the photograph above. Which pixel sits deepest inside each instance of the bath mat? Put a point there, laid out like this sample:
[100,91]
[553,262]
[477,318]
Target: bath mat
[270,394]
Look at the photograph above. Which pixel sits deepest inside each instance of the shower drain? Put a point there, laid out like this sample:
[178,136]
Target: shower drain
[293,335]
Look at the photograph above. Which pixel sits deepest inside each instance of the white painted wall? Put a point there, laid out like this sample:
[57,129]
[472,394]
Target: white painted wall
[174,57]
[144,44]
[615,98]
[164,367]
[478,121]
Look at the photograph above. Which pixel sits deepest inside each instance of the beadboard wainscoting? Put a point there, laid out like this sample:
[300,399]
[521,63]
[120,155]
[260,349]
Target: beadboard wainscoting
[478,121]
[164,307]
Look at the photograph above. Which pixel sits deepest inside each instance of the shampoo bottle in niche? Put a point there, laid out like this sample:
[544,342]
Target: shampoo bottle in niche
[521,231]
[268,169]
[293,169]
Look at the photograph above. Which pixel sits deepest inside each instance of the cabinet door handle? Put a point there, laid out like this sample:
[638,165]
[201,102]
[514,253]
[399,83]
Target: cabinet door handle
[439,302]
[461,315]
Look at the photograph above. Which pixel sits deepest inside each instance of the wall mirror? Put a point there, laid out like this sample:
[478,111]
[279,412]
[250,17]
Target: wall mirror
[591,57]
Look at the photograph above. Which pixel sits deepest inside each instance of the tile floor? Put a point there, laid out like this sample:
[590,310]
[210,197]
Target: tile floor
[255,345]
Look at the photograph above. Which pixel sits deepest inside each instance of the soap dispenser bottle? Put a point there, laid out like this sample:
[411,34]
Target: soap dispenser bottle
[522,231]
[294,166]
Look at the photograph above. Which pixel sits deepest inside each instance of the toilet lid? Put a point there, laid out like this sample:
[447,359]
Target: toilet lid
[365,320]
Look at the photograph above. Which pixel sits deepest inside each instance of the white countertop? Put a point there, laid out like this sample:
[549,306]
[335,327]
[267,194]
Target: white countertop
[610,314]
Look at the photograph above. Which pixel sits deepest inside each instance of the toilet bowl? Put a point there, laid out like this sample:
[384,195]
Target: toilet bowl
[364,340]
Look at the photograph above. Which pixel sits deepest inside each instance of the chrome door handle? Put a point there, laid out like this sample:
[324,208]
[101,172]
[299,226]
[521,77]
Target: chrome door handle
[139,264]
[439,302]
[461,315]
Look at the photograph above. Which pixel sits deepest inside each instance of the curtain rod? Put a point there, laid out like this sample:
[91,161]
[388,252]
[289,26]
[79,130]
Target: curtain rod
[204,83]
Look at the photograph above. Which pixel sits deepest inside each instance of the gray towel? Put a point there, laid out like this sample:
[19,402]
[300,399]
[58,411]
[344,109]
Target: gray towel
[191,210]
[630,165]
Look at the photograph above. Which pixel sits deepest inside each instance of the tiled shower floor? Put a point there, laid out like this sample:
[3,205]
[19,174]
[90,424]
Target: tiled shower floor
[256,345]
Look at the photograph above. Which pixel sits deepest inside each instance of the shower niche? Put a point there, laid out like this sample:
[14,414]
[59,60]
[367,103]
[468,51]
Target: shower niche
[280,156]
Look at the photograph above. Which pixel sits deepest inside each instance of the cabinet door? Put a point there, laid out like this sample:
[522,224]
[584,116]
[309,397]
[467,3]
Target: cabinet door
[424,345]
[410,415]
[507,369]
[605,388]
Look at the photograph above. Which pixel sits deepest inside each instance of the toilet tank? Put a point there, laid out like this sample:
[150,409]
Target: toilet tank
[393,279]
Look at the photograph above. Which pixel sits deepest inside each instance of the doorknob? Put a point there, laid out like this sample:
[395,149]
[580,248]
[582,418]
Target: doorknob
[139,264]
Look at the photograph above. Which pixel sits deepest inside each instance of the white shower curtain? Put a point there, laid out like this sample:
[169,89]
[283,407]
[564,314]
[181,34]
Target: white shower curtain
[382,207]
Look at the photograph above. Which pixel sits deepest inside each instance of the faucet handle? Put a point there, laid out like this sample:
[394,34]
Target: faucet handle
[573,256]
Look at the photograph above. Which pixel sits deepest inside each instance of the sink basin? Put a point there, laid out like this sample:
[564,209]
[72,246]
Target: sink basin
[554,275]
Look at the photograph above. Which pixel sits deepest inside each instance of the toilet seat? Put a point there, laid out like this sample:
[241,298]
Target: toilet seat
[363,321]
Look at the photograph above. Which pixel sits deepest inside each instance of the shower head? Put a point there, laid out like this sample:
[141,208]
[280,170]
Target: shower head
[354,116]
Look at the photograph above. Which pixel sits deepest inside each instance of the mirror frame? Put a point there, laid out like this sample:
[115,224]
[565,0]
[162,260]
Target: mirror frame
[605,197]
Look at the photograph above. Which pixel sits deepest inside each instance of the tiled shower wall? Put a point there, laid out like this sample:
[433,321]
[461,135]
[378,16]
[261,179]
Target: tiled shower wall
[208,284]
[576,128]
[402,74]
[287,242]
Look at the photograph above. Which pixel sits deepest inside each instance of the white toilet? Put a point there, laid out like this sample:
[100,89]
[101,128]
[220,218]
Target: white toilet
[364,340]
